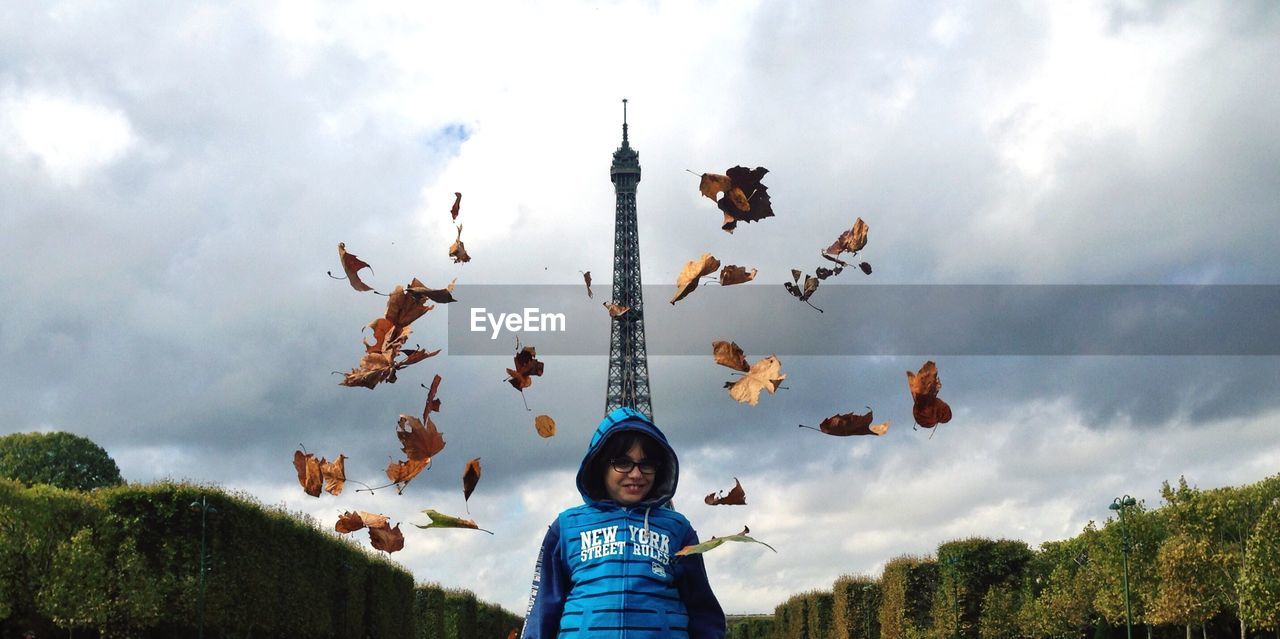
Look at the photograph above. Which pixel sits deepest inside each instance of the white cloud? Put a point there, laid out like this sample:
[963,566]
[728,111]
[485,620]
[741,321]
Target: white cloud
[70,138]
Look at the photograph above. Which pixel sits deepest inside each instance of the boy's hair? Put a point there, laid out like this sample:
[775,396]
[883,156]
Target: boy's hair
[616,446]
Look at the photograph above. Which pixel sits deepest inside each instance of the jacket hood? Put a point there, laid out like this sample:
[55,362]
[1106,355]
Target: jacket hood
[629,419]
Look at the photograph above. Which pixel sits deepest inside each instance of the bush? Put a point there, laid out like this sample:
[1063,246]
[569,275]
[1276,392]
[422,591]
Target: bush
[855,608]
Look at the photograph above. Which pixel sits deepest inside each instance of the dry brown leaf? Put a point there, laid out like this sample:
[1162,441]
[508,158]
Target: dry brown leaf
[545,426]
[729,354]
[433,403]
[927,409]
[850,241]
[437,295]
[731,275]
[418,441]
[351,265]
[747,200]
[765,375]
[404,307]
[586,277]
[735,497]
[457,202]
[309,474]
[470,477]
[386,539]
[615,310]
[457,250]
[349,522]
[526,366]
[847,424]
[402,472]
[694,269]
[334,474]
[712,185]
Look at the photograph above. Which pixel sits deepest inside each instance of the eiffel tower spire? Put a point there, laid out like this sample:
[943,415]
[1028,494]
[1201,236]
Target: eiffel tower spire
[628,363]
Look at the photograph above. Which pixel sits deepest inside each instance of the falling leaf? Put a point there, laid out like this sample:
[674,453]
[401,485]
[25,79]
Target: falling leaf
[470,477]
[795,275]
[351,265]
[390,333]
[731,275]
[850,241]
[411,356]
[352,521]
[386,539]
[715,542]
[747,200]
[402,472]
[866,268]
[437,295]
[837,260]
[615,310]
[545,426]
[735,497]
[823,273]
[527,365]
[810,287]
[404,307]
[433,403]
[457,201]
[764,375]
[309,475]
[334,474]
[850,424]
[586,277]
[418,441]
[349,522]
[927,408]
[712,185]
[457,250]
[729,354]
[440,520]
[381,535]
[694,269]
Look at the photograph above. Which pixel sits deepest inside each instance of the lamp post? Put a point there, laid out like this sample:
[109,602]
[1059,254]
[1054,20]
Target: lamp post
[1119,504]
[205,508]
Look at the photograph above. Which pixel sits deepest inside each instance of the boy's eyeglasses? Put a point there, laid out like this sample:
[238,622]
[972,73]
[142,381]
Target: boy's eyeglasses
[625,464]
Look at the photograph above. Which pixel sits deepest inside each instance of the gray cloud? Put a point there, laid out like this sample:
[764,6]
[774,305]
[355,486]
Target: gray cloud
[171,301]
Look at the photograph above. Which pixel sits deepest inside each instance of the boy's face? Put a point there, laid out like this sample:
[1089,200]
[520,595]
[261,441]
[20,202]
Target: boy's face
[631,487]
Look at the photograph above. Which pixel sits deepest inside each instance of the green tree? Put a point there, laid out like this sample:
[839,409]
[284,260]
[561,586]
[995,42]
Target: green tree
[1260,583]
[1000,613]
[59,459]
[1146,530]
[1059,590]
[1225,517]
[1187,575]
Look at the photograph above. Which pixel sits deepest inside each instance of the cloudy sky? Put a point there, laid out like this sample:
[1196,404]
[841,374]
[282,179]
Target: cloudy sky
[174,180]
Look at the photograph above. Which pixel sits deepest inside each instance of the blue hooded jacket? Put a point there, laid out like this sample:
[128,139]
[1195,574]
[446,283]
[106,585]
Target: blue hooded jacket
[606,570]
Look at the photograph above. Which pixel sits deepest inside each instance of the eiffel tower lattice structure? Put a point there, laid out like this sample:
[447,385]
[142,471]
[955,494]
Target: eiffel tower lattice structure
[628,363]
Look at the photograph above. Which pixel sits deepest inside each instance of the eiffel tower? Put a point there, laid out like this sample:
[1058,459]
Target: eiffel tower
[628,363]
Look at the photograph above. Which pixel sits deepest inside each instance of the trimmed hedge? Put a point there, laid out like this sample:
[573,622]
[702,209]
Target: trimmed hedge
[855,608]
[908,588]
[969,568]
[124,562]
[760,627]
